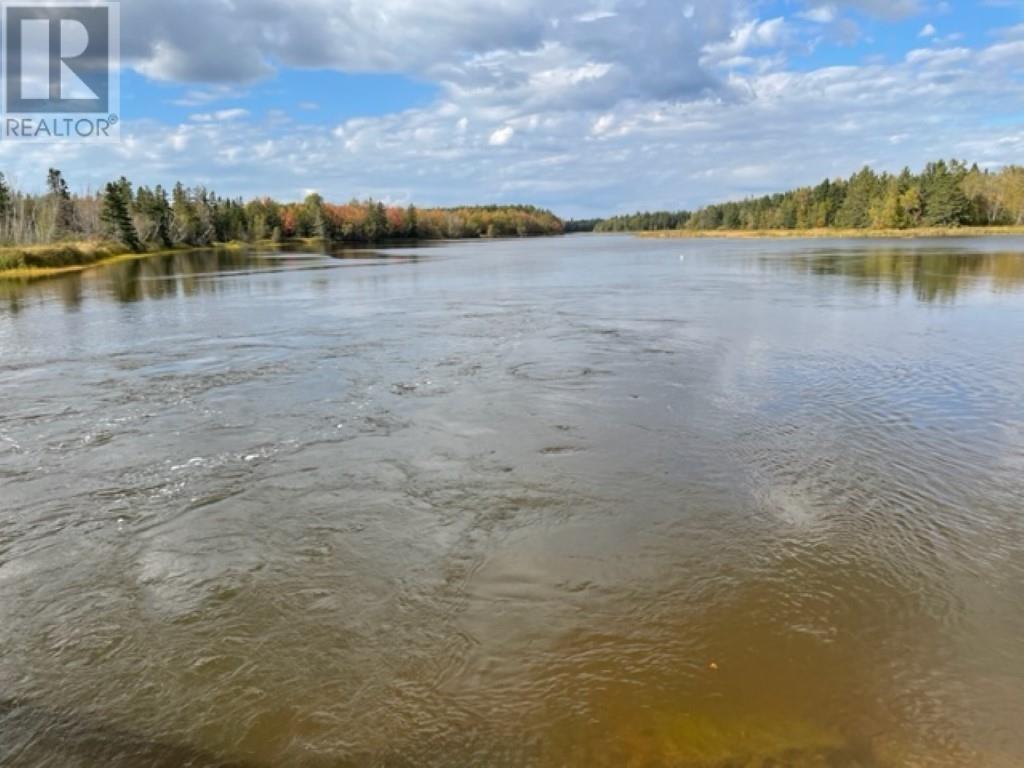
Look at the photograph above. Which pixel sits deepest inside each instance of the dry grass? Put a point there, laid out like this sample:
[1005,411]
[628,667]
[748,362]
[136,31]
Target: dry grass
[837,233]
[55,256]
[35,261]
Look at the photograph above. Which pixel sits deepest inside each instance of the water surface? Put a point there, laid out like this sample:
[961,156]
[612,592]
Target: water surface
[572,502]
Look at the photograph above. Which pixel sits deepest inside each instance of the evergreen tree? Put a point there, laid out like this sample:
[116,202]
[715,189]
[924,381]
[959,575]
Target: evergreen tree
[945,204]
[376,226]
[116,216]
[153,216]
[861,191]
[161,212]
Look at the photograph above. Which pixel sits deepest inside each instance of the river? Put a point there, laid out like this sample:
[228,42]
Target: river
[589,501]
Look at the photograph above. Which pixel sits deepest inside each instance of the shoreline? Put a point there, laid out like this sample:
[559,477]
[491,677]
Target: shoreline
[98,255]
[834,234]
[89,255]
[32,273]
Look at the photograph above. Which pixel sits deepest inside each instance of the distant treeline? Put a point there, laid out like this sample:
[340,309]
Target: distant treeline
[644,222]
[581,225]
[944,194]
[636,222]
[144,217]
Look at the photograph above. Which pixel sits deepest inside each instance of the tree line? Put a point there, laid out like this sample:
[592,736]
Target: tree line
[943,194]
[141,218]
[644,222]
[640,221]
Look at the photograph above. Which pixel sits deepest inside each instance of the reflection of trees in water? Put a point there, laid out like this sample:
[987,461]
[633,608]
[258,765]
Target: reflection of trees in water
[934,276]
[184,273]
[170,275]
[153,277]
[14,292]
[71,291]
[11,291]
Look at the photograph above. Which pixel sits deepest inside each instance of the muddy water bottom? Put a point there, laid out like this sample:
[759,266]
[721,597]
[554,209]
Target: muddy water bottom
[545,503]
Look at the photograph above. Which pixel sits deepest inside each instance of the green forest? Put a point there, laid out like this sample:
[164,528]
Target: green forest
[58,228]
[944,194]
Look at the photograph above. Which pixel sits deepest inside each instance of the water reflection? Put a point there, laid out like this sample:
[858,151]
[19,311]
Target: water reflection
[933,275]
[183,274]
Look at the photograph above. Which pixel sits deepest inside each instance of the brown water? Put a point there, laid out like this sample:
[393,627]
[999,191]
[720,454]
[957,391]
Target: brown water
[583,502]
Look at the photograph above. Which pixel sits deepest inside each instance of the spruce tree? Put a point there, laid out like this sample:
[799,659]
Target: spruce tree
[945,204]
[161,212]
[116,216]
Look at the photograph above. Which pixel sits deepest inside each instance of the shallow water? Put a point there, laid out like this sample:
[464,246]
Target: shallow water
[573,502]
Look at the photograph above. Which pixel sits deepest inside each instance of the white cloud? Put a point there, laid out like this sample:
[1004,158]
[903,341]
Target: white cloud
[219,116]
[502,136]
[201,96]
[651,47]
[820,14]
[603,125]
[1011,32]
[928,30]
[1010,53]
[752,36]
[595,16]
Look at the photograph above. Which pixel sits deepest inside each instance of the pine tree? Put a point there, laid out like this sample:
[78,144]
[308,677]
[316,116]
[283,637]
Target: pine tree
[116,216]
[945,204]
[856,209]
[153,216]
[161,212]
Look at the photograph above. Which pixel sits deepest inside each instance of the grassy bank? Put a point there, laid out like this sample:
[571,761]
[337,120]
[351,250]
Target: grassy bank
[690,234]
[59,258]
[56,256]
[36,261]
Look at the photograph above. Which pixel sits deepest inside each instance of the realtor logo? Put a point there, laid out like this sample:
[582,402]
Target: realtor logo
[61,70]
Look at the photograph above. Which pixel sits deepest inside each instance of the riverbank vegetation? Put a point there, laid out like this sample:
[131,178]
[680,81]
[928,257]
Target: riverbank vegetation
[942,198]
[61,230]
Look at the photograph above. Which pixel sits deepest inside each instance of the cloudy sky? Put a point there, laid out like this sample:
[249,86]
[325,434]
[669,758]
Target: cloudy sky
[585,106]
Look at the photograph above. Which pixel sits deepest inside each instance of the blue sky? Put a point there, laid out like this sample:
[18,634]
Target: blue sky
[589,107]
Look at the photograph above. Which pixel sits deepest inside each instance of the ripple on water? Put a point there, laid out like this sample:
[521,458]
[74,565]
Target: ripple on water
[545,372]
[557,504]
